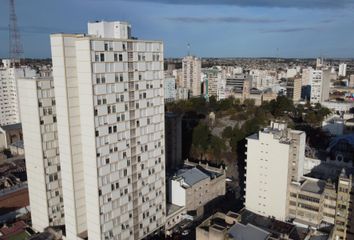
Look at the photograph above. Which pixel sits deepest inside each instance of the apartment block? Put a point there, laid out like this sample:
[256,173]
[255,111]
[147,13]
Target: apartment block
[320,82]
[293,89]
[170,88]
[9,107]
[109,91]
[39,123]
[212,80]
[191,75]
[321,203]
[275,157]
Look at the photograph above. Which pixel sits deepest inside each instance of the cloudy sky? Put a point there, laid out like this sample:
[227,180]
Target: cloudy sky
[214,28]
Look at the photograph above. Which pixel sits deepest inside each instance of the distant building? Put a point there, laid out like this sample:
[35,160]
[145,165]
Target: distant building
[170,89]
[291,72]
[293,89]
[173,141]
[9,109]
[182,93]
[342,70]
[212,79]
[238,87]
[10,134]
[334,125]
[39,122]
[320,83]
[319,63]
[195,185]
[351,81]
[191,75]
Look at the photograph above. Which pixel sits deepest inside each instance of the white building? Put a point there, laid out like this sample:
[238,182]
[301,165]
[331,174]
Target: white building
[182,93]
[320,84]
[110,110]
[275,157]
[191,75]
[170,89]
[342,70]
[9,108]
[42,153]
[291,72]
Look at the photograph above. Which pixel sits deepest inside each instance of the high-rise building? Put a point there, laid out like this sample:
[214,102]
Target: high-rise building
[110,120]
[39,124]
[282,183]
[320,84]
[342,71]
[9,107]
[173,141]
[170,88]
[293,89]
[191,75]
[275,157]
[319,63]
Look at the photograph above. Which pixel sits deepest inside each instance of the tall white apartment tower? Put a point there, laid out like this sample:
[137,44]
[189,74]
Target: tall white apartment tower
[275,157]
[9,107]
[37,104]
[320,84]
[191,75]
[342,71]
[110,110]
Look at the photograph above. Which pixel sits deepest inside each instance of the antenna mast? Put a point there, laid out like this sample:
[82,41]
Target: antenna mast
[15,46]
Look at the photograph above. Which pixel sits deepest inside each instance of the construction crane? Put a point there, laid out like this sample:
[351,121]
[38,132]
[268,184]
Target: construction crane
[15,45]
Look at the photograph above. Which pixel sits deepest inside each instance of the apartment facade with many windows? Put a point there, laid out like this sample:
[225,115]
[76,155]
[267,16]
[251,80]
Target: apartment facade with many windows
[39,124]
[110,111]
[9,106]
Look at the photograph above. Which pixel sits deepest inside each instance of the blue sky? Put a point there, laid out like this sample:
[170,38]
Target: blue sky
[214,28]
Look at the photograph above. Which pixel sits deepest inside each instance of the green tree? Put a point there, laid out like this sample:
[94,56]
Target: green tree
[227,132]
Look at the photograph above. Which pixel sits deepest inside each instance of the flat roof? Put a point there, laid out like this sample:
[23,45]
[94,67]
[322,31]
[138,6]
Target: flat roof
[172,208]
[313,186]
[247,232]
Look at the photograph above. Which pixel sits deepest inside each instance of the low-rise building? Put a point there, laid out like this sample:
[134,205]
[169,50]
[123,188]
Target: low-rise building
[175,214]
[247,225]
[195,185]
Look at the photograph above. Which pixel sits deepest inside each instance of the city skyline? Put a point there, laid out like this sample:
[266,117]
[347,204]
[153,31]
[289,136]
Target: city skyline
[268,28]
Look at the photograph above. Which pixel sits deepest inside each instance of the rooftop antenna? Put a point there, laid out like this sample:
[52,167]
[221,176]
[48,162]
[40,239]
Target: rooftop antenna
[189,49]
[15,46]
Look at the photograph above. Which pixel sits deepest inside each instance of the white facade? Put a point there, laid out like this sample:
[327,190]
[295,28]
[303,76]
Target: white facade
[170,89]
[9,107]
[262,79]
[110,104]
[102,29]
[181,93]
[274,158]
[42,153]
[342,71]
[191,75]
[291,72]
[177,192]
[319,86]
